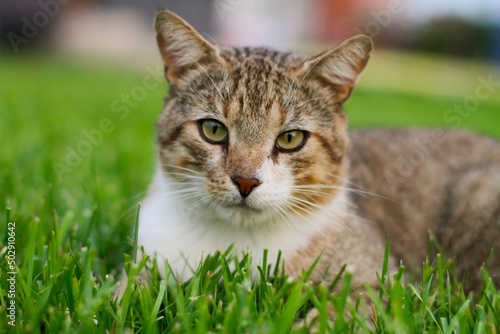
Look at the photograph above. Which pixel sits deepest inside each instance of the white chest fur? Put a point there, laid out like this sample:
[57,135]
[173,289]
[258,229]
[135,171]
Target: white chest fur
[171,230]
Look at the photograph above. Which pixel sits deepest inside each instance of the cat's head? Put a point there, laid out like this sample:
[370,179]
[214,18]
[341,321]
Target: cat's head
[254,135]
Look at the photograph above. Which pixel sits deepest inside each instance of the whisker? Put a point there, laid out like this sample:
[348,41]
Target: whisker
[286,216]
[325,186]
[299,204]
[183,168]
[305,102]
[292,81]
[302,190]
[319,207]
[192,190]
[210,78]
[301,80]
[293,206]
[188,196]
[138,196]
[202,201]
[192,177]
[226,73]
[360,188]
[185,183]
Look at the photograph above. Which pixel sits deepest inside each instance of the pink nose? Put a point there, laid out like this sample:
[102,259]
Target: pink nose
[245,185]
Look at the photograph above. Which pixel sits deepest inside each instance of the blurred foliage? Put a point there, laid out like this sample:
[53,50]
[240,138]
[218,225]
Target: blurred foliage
[454,36]
[449,35]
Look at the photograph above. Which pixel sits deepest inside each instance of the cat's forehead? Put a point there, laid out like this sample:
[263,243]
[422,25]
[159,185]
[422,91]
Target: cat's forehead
[266,69]
[261,88]
[263,57]
[260,78]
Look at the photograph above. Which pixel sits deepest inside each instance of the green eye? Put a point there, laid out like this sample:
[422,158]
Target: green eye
[213,131]
[291,140]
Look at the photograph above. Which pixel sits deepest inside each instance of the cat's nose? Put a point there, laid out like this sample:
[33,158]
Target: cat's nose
[245,185]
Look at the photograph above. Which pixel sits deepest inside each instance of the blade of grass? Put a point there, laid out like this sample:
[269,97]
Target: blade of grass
[136,233]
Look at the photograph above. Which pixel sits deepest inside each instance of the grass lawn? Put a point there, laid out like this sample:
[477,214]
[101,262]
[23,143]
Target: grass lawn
[76,157]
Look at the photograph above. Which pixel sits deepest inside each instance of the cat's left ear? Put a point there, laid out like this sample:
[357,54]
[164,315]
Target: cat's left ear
[339,68]
[181,47]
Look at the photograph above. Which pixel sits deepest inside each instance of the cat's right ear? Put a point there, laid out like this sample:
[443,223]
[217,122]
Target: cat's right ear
[181,47]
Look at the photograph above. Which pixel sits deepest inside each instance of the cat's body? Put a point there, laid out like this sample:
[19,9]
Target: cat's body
[253,151]
[433,180]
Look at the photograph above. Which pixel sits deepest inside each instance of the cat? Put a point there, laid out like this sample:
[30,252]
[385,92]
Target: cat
[253,150]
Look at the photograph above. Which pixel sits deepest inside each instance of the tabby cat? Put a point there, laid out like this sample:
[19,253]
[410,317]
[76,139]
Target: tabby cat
[253,150]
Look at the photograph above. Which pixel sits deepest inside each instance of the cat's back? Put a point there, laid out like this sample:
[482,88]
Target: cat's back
[396,157]
[421,180]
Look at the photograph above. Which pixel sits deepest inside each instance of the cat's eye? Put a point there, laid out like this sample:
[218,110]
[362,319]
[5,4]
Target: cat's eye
[291,141]
[213,131]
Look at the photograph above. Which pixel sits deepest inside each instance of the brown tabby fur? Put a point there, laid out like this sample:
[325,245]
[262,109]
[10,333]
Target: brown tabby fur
[453,190]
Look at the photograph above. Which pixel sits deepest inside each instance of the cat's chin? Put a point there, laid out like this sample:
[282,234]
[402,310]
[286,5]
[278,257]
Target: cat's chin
[243,215]
[243,208]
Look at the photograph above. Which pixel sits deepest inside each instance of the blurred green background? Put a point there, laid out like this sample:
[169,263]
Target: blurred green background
[79,94]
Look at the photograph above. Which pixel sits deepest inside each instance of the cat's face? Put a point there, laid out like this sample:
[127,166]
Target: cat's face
[253,135]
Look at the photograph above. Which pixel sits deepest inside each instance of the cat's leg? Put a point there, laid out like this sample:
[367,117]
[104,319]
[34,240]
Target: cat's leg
[470,228]
[361,248]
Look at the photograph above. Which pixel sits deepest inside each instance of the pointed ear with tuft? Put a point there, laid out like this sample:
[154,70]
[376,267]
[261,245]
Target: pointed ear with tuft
[181,47]
[340,67]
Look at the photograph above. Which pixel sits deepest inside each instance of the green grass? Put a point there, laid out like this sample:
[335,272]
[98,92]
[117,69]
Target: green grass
[74,230]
